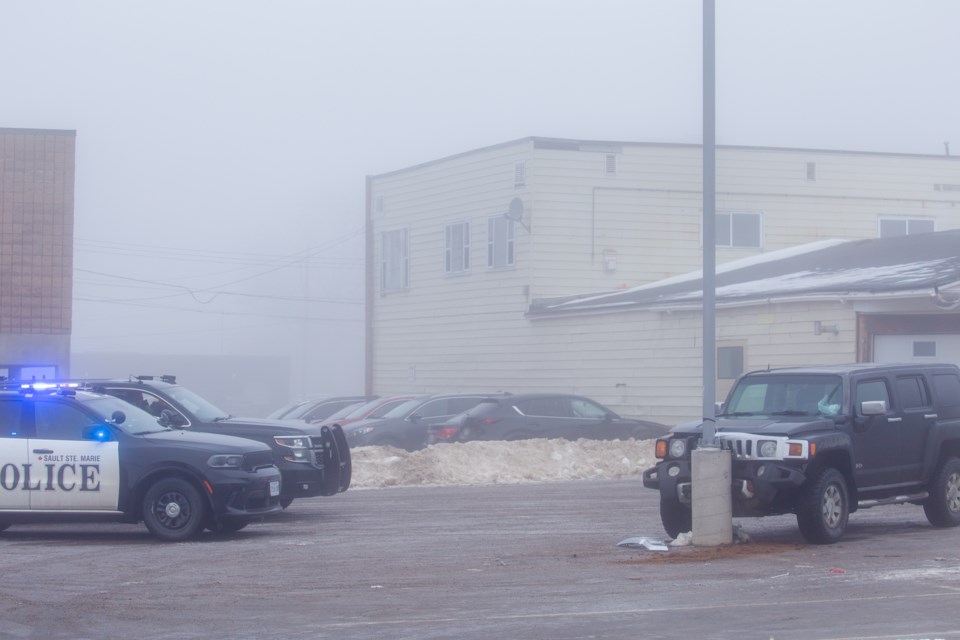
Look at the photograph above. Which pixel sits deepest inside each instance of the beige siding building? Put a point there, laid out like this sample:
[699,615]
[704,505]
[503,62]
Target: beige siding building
[36,252]
[460,248]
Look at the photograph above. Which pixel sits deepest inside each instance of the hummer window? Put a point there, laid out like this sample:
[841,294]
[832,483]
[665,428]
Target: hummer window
[913,392]
[786,395]
[871,391]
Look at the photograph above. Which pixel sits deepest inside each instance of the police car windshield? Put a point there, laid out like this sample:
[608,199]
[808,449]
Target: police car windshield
[203,410]
[137,420]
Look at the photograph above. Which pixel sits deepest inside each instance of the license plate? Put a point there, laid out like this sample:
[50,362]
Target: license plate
[274,488]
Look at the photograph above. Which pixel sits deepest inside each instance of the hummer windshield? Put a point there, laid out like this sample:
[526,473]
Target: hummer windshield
[786,396]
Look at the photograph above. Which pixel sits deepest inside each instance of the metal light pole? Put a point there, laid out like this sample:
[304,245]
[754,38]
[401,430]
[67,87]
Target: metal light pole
[712,512]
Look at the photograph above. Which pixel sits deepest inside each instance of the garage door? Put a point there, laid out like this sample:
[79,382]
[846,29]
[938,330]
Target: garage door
[917,348]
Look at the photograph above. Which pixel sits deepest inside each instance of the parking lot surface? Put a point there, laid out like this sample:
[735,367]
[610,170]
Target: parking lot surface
[500,561]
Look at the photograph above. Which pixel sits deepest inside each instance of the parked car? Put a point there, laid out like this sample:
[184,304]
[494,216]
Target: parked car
[314,460]
[317,409]
[374,409]
[405,426]
[823,442]
[541,415]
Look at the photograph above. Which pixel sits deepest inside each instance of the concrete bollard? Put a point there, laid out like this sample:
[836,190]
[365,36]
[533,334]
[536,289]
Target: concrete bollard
[712,508]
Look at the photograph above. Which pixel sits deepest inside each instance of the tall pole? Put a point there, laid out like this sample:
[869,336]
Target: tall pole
[710,480]
[709,227]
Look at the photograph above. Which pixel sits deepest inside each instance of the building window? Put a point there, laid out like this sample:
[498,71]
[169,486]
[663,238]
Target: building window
[892,227]
[394,261]
[812,171]
[520,173]
[924,349]
[500,243]
[457,247]
[738,230]
[729,362]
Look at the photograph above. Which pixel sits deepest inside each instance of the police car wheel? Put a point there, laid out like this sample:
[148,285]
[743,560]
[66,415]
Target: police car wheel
[4,526]
[173,510]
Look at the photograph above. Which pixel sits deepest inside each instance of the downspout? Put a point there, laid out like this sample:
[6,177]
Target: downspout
[368,293]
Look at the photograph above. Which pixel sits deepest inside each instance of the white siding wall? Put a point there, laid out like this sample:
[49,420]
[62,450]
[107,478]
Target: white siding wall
[649,215]
[468,332]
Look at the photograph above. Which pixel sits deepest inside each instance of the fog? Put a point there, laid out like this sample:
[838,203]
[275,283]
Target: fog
[222,145]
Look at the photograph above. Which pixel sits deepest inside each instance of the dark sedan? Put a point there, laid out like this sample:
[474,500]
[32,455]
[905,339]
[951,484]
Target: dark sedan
[406,425]
[541,415]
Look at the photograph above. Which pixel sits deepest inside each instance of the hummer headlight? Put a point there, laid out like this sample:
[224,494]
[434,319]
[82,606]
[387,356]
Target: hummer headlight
[225,461]
[678,447]
[768,448]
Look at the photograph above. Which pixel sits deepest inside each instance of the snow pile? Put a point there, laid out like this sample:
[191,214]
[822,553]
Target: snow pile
[500,462]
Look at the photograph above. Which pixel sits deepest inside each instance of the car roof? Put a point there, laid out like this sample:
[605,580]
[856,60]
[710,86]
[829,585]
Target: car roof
[840,369]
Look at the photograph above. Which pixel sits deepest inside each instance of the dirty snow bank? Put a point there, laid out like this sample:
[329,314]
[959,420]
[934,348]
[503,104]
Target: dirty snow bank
[473,463]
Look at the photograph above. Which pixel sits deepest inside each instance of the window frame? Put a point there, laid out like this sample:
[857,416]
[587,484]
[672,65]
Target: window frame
[509,251]
[730,241]
[450,251]
[906,220]
[390,281]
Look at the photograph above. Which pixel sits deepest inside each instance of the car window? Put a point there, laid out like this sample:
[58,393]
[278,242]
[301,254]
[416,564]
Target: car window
[459,405]
[385,408]
[434,408]
[948,389]
[11,412]
[583,408]
[912,391]
[872,390]
[547,407]
[57,421]
[327,409]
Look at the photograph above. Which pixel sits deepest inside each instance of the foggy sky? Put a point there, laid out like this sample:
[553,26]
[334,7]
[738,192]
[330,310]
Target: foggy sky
[222,145]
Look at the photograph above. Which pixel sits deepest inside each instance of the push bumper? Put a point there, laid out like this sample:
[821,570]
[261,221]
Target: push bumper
[758,487]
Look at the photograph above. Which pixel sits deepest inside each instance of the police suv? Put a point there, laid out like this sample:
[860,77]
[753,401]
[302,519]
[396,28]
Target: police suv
[73,455]
[314,460]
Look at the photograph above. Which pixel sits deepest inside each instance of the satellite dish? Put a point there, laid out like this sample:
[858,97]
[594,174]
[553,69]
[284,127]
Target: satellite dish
[515,212]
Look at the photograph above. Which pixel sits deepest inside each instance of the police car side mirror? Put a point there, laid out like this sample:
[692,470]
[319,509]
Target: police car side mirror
[171,419]
[118,417]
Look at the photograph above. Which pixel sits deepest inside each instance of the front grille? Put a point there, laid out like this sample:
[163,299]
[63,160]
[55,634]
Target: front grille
[746,446]
[257,460]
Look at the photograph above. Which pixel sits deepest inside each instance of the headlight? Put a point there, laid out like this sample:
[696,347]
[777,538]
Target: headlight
[768,449]
[362,431]
[678,447]
[299,447]
[225,461]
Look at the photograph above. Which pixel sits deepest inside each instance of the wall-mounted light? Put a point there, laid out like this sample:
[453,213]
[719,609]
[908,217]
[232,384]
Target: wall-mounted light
[820,328]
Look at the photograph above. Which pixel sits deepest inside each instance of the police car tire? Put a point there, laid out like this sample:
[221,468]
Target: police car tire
[285,501]
[173,510]
[4,526]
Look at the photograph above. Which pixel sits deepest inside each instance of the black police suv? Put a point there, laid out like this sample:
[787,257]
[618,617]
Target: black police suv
[69,455]
[314,460]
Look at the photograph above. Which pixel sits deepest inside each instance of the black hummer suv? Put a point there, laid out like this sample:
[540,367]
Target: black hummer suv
[70,455]
[821,442]
[314,460]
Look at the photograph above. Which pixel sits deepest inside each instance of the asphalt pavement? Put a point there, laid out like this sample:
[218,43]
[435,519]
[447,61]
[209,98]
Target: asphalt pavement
[486,562]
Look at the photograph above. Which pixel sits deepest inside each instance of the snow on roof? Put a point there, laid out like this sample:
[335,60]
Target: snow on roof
[832,267]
